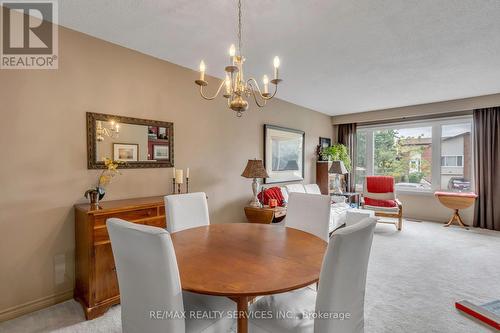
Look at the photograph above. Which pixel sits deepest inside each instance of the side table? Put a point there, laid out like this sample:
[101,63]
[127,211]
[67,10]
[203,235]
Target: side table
[353,198]
[265,214]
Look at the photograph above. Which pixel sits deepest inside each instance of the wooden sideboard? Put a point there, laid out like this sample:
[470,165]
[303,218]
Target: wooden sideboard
[95,273]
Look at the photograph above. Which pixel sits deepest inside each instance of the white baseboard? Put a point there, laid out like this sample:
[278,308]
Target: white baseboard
[34,305]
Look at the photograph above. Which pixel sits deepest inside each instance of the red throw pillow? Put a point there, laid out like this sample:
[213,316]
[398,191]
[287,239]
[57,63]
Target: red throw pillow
[380,203]
[271,193]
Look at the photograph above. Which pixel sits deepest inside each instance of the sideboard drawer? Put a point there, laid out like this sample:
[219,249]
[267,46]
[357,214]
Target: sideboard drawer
[101,232]
[156,222]
[130,216]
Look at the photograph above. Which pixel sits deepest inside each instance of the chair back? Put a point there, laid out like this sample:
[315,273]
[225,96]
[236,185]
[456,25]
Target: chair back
[295,188]
[379,188]
[148,276]
[186,211]
[309,213]
[342,279]
[312,189]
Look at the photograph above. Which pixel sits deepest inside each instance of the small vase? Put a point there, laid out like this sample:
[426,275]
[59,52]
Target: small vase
[94,198]
[94,195]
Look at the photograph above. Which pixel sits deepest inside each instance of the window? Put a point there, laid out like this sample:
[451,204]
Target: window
[456,159]
[452,161]
[421,156]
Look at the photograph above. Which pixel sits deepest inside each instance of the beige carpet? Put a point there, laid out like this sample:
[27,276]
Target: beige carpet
[413,280]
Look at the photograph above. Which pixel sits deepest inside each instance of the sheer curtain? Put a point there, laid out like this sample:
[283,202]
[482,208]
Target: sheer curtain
[347,137]
[487,167]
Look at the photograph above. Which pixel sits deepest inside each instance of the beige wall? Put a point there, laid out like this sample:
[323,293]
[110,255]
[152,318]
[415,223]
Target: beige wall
[43,170]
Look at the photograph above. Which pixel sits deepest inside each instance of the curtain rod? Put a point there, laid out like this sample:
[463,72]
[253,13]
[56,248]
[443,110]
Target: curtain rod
[415,118]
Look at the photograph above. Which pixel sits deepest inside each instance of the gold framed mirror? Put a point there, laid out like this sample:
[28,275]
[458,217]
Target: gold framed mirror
[140,143]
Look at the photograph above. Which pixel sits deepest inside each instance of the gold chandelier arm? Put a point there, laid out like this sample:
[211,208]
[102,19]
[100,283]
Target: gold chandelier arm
[250,83]
[264,97]
[216,94]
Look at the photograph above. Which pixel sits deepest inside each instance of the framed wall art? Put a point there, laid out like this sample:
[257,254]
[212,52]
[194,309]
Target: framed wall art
[283,154]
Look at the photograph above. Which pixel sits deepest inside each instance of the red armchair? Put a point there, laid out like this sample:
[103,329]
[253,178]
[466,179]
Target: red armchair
[379,195]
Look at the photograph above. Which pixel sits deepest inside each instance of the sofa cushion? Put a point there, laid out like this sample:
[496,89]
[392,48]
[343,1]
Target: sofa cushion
[380,203]
[295,188]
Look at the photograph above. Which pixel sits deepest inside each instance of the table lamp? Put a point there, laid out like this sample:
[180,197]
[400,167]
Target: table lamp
[255,169]
[338,168]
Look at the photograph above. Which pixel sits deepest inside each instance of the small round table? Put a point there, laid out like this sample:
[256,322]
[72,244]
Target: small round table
[456,201]
[244,260]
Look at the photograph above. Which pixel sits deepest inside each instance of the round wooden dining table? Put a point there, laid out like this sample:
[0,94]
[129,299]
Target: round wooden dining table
[245,260]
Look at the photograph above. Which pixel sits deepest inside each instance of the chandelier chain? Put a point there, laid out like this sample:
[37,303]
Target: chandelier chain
[240,44]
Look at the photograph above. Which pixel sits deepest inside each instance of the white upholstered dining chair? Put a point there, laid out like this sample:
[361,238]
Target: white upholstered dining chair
[184,211]
[341,290]
[312,189]
[309,213]
[148,278]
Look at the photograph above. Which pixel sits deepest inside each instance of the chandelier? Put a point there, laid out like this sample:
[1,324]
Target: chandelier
[236,88]
[101,131]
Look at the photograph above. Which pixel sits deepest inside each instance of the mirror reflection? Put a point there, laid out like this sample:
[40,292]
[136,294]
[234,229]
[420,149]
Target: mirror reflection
[131,143]
[139,142]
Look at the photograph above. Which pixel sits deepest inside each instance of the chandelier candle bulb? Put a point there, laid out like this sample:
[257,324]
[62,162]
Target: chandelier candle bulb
[117,128]
[232,53]
[202,71]
[187,173]
[179,176]
[276,63]
[265,80]
[173,173]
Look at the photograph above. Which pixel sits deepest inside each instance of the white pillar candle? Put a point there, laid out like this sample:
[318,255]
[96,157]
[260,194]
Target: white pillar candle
[179,179]
[187,173]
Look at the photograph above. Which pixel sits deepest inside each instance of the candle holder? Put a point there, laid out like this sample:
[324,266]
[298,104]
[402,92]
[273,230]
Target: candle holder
[179,181]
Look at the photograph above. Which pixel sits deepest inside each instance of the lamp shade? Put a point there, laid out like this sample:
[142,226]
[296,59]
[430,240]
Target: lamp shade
[255,169]
[338,167]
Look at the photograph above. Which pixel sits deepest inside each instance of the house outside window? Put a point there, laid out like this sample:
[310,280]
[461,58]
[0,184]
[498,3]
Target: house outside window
[422,156]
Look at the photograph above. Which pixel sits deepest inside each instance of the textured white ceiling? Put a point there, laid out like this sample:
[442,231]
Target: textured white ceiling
[337,56]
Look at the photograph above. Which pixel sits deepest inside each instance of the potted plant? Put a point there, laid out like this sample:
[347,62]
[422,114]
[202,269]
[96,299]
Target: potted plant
[111,170]
[337,152]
